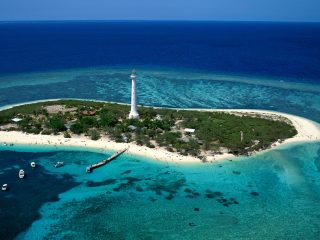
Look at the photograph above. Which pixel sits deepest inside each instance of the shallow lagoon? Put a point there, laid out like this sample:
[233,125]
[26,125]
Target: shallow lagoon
[271,195]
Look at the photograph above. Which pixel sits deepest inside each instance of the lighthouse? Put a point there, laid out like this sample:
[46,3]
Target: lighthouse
[134,111]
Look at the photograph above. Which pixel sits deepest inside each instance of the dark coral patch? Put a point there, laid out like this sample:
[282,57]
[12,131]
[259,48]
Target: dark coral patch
[191,193]
[187,190]
[170,196]
[103,183]
[132,179]
[253,193]
[189,196]
[210,195]
[218,194]
[125,172]
[167,186]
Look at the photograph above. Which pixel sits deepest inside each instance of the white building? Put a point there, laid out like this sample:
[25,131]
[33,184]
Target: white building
[134,108]
[189,130]
[16,120]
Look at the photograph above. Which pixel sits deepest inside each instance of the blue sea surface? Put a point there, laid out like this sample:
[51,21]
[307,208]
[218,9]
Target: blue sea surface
[274,66]
[289,50]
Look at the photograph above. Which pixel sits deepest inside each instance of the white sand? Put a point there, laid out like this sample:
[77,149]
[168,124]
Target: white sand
[307,131]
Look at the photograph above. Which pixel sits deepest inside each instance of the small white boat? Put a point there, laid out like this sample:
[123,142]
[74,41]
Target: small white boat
[21,173]
[33,164]
[4,187]
[58,164]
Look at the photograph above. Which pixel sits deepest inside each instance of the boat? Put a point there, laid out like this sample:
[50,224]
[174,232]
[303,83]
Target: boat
[4,187]
[21,173]
[58,164]
[33,164]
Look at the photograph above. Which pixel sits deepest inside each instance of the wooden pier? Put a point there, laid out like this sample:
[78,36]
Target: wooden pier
[105,161]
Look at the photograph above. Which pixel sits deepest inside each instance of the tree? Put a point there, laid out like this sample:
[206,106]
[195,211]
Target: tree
[94,134]
[88,122]
[77,128]
[67,134]
[56,123]
[108,120]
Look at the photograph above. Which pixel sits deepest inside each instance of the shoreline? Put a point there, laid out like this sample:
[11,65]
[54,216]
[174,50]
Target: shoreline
[307,131]
[160,154]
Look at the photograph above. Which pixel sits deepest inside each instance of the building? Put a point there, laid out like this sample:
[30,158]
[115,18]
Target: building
[16,120]
[189,130]
[134,107]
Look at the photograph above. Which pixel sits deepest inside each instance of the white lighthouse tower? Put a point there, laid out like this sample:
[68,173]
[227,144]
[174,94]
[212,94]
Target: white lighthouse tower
[134,111]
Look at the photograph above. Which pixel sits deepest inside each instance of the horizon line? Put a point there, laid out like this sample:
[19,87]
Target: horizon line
[158,20]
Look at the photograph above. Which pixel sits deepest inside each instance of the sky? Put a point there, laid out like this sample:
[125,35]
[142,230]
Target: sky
[217,10]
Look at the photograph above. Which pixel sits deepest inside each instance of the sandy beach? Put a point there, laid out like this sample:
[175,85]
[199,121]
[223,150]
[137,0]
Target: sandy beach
[104,143]
[307,131]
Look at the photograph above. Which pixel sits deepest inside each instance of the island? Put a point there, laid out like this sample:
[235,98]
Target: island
[178,135]
[160,133]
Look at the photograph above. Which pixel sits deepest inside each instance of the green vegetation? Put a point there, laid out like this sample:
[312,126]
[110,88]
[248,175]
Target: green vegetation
[66,134]
[56,123]
[214,131]
[94,134]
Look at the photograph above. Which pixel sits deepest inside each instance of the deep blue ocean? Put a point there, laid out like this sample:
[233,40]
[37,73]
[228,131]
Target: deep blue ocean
[289,50]
[274,66]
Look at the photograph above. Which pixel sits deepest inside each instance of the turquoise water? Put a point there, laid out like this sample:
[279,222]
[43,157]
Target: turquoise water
[135,198]
[165,87]
[272,66]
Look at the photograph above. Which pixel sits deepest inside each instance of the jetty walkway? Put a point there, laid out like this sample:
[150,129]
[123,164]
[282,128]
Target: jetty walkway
[105,161]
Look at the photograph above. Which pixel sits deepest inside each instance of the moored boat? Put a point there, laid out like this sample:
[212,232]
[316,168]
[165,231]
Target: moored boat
[33,164]
[4,187]
[58,164]
[21,173]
